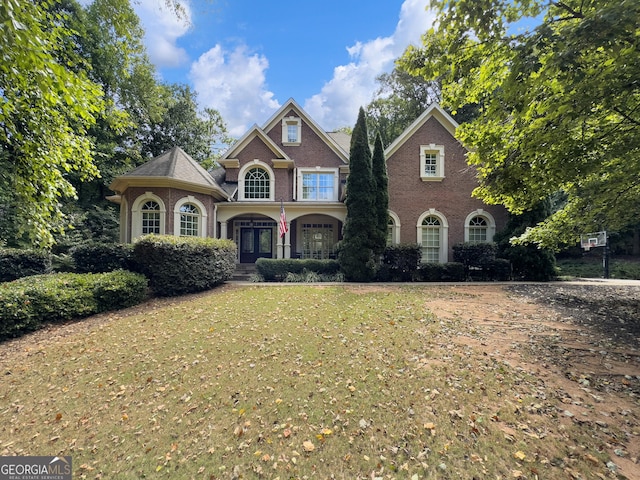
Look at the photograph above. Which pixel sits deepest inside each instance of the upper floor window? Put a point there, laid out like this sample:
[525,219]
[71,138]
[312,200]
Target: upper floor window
[431,162]
[257,184]
[150,217]
[318,186]
[189,220]
[291,131]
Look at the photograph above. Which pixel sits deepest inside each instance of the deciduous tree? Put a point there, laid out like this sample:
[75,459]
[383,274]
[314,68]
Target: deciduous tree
[558,89]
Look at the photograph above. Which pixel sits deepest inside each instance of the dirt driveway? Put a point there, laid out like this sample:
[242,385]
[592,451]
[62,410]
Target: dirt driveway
[582,339]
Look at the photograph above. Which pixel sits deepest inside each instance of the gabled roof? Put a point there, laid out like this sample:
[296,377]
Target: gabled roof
[434,110]
[254,132]
[328,139]
[171,168]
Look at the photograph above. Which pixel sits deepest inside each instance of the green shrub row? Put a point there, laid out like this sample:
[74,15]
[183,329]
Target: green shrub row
[441,272]
[179,265]
[277,270]
[102,257]
[16,263]
[29,302]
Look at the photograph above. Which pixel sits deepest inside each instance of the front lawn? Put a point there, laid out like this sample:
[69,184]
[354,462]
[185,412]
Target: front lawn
[287,382]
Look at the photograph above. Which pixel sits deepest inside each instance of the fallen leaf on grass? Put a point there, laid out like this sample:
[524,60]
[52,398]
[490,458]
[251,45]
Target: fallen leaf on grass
[308,446]
[520,455]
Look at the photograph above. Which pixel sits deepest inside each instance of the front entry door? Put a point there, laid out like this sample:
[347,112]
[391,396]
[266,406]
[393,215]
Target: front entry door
[255,243]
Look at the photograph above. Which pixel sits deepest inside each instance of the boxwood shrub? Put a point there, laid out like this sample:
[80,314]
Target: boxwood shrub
[28,303]
[94,257]
[15,263]
[400,263]
[278,270]
[180,265]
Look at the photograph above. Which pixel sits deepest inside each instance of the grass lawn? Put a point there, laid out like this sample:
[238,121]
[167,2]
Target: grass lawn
[286,382]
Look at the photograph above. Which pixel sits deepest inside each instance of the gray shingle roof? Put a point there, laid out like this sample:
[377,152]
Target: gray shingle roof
[175,164]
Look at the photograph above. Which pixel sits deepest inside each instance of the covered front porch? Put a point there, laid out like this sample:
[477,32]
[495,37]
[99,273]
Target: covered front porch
[313,230]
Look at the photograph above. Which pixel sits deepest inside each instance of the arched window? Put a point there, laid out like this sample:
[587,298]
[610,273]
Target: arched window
[147,215]
[479,227]
[189,220]
[478,230]
[257,184]
[150,211]
[431,239]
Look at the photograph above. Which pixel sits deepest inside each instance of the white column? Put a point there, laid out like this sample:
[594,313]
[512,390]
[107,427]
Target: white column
[287,241]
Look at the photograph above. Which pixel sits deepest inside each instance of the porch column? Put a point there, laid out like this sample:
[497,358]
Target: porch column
[287,241]
[223,229]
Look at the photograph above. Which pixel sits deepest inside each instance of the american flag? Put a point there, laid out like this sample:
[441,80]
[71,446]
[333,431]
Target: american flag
[283,221]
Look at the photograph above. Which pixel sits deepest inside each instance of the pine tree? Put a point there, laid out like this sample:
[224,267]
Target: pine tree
[356,254]
[381,196]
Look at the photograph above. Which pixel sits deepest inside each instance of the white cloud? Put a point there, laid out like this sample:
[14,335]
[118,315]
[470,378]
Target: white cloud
[233,82]
[353,85]
[163,27]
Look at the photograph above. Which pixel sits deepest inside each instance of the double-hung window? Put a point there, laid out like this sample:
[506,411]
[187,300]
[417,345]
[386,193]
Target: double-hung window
[318,186]
[431,163]
[291,131]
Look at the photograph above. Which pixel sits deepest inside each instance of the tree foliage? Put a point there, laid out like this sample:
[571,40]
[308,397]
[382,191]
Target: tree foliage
[356,255]
[47,105]
[559,104]
[400,99]
[381,196]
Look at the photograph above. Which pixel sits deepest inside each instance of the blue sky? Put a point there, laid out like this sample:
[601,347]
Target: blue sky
[245,58]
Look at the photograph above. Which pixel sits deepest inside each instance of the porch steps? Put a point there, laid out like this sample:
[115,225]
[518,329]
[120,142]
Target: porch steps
[243,272]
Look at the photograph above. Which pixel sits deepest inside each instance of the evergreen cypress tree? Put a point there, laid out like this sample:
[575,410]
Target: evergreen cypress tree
[381,198]
[356,255]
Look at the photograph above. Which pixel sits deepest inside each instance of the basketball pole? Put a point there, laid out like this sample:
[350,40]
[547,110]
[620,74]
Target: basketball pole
[605,256]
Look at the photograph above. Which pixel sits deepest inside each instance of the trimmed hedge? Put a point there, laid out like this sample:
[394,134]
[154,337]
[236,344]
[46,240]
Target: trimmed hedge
[28,303]
[442,272]
[277,270]
[180,265]
[15,263]
[400,263]
[102,257]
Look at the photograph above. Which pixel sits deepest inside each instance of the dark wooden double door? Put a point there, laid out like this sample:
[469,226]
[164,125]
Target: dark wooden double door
[255,243]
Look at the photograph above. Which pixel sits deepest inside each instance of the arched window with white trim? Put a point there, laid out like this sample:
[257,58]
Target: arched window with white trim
[256,182]
[393,229]
[433,231]
[479,227]
[147,215]
[190,218]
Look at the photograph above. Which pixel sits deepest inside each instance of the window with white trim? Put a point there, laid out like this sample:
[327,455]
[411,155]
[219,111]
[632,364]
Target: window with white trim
[189,220]
[318,185]
[291,131]
[257,184]
[430,241]
[431,162]
[150,212]
[479,227]
[478,230]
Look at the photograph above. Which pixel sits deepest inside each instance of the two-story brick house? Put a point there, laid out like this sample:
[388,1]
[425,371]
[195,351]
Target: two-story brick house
[291,162]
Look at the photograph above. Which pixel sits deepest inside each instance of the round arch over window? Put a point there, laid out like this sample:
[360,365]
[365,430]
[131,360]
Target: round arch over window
[256,182]
[147,215]
[433,233]
[190,218]
[479,227]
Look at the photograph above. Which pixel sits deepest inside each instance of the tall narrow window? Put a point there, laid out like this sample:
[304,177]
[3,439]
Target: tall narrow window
[189,220]
[478,230]
[291,131]
[432,163]
[257,184]
[431,239]
[150,217]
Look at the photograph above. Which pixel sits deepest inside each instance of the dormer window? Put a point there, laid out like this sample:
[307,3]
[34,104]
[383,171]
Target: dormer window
[291,131]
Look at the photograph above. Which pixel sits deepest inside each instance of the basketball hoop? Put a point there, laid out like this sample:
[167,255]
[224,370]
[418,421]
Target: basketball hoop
[593,240]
